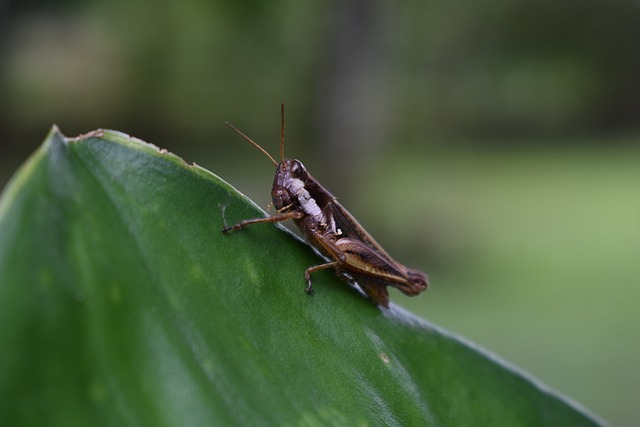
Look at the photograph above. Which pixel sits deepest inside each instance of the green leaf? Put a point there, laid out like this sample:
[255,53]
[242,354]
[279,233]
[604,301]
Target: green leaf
[122,303]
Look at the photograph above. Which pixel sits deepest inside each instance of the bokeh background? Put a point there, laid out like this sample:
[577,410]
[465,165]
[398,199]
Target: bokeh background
[492,143]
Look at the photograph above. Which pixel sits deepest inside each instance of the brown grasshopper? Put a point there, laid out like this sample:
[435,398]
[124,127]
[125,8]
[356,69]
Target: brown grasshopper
[328,226]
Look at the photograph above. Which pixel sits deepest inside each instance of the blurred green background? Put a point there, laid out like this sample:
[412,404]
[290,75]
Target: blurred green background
[490,143]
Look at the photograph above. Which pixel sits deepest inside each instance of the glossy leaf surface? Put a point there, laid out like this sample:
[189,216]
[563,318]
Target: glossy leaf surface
[122,303]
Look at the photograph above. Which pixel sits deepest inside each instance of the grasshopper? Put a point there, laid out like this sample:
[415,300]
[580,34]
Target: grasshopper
[356,257]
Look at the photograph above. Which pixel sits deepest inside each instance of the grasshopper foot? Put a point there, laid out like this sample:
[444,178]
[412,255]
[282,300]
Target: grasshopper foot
[307,278]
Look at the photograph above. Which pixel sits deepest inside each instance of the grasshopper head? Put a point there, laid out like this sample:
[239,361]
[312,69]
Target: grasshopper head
[291,177]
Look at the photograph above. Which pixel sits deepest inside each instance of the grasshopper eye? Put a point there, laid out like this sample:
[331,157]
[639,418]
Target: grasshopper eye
[298,170]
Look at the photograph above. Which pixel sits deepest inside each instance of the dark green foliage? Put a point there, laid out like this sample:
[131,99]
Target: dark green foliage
[122,303]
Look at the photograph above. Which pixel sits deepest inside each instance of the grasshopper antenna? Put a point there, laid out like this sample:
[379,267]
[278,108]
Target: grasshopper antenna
[282,132]
[255,143]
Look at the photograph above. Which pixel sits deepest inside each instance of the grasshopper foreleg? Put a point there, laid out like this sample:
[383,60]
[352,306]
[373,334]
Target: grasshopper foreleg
[277,217]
